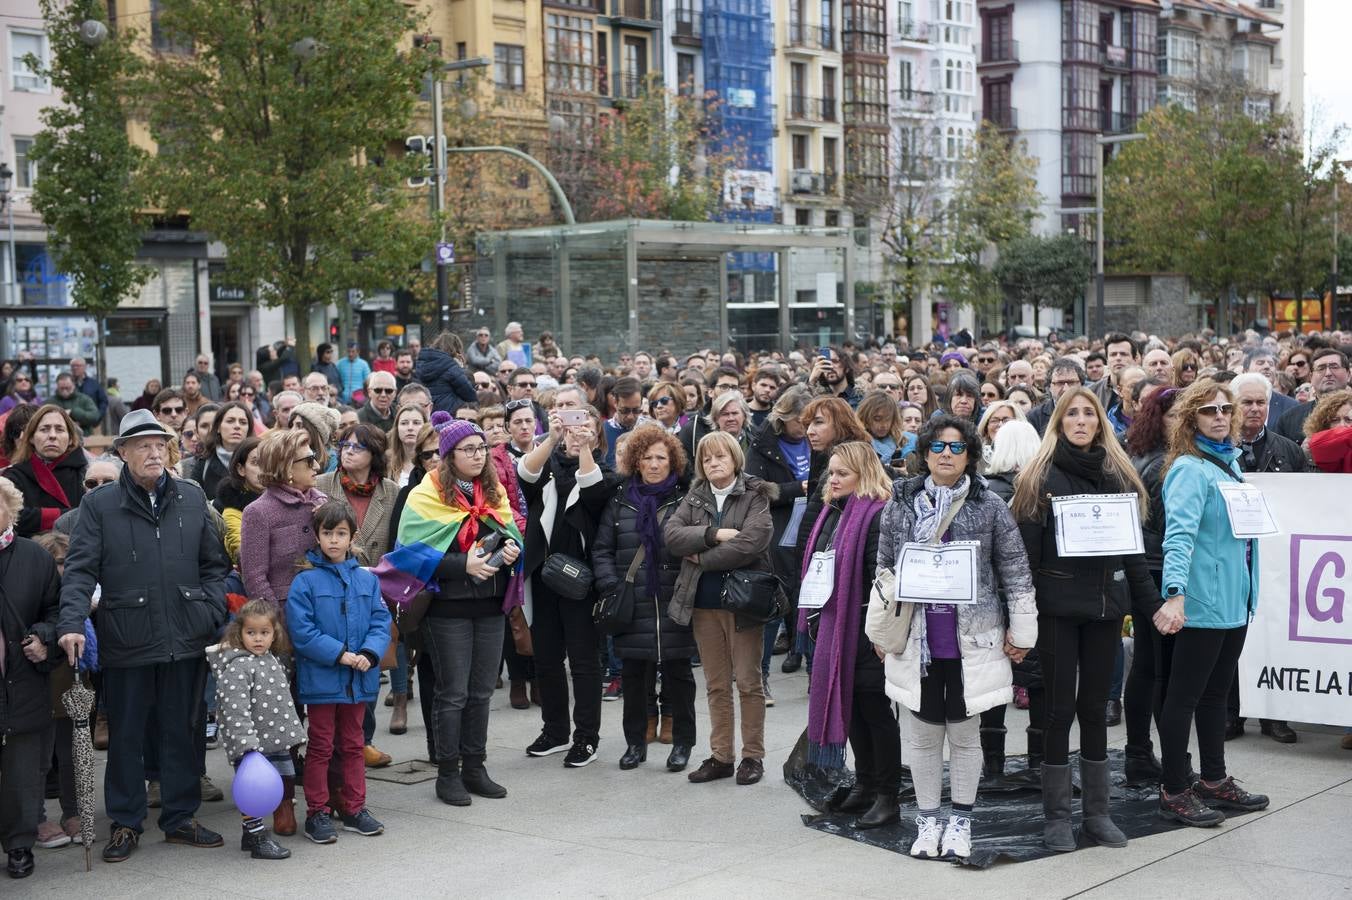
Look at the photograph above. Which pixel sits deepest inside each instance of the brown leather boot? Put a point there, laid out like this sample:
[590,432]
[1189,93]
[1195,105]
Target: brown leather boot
[664,734]
[518,696]
[652,729]
[284,816]
[101,732]
[399,718]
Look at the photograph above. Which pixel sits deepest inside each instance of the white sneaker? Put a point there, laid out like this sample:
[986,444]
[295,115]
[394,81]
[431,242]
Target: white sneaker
[927,843]
[958,837]
[769,697]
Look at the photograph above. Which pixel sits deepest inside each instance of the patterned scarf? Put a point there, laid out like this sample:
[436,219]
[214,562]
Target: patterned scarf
[355,489]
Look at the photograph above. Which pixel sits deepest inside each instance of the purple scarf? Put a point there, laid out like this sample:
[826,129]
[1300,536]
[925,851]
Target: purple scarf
[831,697]
[644,497]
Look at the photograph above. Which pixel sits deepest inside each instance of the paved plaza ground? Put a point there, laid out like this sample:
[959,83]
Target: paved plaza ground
[648,833]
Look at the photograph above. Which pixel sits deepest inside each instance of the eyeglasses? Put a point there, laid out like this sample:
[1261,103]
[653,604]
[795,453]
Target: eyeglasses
[91,483]
[985,359]
[247,394]
[476,450]
[628,410]
[352,446]
[427,455]
[888,387]
[525,384]
[173,410]
[958,448]
[519,403]
[382,390]
[1216,409]
[1326,369]
[308,458]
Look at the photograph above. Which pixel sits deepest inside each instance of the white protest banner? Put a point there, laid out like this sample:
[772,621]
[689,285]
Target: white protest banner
[1297,662]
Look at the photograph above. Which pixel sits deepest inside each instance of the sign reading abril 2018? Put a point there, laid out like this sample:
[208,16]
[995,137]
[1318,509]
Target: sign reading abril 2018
[1297,662]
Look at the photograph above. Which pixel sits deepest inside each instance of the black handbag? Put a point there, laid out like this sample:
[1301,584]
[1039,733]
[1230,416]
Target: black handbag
[567,576]
[754,595]
[614,613]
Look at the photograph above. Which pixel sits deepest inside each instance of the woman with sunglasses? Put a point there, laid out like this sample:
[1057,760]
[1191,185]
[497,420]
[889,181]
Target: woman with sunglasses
[1211,591]
[666,404]
[1148,681]
[277,529]
[20,391]
[1185,367]
[360,480]
[1081,601]
[957,659]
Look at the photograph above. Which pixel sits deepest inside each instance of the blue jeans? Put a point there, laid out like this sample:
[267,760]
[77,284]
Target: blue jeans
[399,674]
[771,633]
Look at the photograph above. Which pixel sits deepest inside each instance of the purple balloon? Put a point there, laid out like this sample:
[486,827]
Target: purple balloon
[258,786]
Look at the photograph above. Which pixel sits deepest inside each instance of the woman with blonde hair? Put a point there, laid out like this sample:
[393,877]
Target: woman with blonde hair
[1330,411]
[666,404]
[48,468]
[403,438]
[723,524]
[992,419]
[1081,602]
[847,698]
[881,417]
[1186,367]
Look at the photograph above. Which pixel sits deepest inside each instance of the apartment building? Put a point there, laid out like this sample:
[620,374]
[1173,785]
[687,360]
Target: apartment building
[1206,44]
[810,113]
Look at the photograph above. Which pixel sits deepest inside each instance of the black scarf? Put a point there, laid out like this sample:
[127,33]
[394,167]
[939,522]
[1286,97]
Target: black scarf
[1083,463]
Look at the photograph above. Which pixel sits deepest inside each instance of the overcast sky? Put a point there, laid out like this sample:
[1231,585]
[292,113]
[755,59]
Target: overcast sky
[1328,87]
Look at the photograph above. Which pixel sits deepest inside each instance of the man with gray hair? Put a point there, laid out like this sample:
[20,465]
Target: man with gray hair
[1264,362]
[514,347]
[1066,373]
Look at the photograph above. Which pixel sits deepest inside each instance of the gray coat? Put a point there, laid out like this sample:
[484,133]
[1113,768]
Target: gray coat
[1003,565]
[690,532]
[477,360]
[162,572]
[253,696]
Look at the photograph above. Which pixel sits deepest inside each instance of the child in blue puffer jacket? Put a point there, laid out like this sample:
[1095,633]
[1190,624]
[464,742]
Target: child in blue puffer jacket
[340,628]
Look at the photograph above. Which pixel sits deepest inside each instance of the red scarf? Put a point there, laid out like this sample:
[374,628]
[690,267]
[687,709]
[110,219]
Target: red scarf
[480,508]
[355,489]
[42,471]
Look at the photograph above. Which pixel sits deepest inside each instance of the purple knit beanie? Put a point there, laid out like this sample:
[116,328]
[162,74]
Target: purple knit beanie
[455,432]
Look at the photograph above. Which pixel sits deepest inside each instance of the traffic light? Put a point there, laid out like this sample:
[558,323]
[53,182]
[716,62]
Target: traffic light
[333,331]
[426,146]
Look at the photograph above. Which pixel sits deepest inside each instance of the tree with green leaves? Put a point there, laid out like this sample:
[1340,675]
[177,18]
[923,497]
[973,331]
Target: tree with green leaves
[275,122]
[1044,271]
[1201,195]
[87,189]
[647,158]
[995,201]
[1304,256]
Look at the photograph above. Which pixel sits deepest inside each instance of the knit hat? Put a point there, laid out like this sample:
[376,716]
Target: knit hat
[953,354]
[440,419]
[320,417]
[454,433]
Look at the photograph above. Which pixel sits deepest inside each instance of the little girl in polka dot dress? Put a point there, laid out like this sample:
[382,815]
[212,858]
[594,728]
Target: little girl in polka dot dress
[254,706]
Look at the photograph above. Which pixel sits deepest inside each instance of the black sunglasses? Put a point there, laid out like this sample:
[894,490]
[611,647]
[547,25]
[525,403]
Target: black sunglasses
[427,455]
[91,483]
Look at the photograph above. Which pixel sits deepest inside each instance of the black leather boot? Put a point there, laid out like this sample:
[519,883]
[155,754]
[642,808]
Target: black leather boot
[885,810]
[475,779]
[450,785]
[859,799]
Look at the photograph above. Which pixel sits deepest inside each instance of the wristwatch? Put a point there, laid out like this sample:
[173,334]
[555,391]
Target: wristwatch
[1173,591]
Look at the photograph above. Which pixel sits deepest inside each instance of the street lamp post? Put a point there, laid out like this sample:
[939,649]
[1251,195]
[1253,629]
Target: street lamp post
[12,262]
[439,172]
[1102,141]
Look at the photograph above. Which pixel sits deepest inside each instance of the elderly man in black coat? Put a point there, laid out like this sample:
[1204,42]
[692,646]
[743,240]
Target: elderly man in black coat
[29,596]
[150,541]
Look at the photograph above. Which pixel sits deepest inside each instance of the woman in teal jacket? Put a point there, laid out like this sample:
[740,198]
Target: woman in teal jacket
[1211,592]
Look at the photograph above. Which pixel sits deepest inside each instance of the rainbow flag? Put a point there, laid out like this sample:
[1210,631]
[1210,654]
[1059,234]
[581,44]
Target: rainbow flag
[427,529]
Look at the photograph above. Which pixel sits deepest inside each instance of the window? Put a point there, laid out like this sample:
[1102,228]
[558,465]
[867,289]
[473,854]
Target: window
[685,73]
[21,44]
[802,217]
[833,218]
[635,65]
[829,93]
[904,78]
[570,56]
[165,41]
[829,155]
[995,103]
[999,44]
[25,170]
[1178,58]
[509,67]
[800,154]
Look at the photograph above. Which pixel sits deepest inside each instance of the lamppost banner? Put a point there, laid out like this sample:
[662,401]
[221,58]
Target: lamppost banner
[1297,662]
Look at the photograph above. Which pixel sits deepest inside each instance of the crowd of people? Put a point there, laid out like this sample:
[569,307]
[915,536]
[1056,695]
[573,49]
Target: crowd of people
[257,549]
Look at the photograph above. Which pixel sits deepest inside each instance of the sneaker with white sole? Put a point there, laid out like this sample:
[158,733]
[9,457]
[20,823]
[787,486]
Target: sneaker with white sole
[544,745]
[765,688]
[958,838]
[926,844]
[581,754]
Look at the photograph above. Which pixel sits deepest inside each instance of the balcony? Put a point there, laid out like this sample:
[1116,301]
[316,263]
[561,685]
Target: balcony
[687,27]
[632,85]
[1117,122]
[909,31]
[635,13]
[1000,53]
[1003,118]
[806,182]
[811,109]
[907,102]
[811,37]
[1112,56]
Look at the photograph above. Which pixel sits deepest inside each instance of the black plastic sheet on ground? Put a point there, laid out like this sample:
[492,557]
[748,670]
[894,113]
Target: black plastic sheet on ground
[1007,823]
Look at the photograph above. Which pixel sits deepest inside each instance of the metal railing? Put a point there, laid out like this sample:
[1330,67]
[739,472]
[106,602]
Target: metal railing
[812,109]
[688,24]
[907,100]
[998,52]
[633,85]
[911,30]
[1004,118]
[811,37]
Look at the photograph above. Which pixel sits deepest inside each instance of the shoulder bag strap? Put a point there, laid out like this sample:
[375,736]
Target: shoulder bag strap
[1222,466]
[633,566]
[947,520]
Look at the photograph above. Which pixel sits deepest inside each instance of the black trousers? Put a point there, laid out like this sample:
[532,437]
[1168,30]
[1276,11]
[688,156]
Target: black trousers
[678,698]
[993,728]
[875,739]
[20,790]
[1148,680]
[564,628]
[427,685]
[173,692]
[1203,669]
[1077,658]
